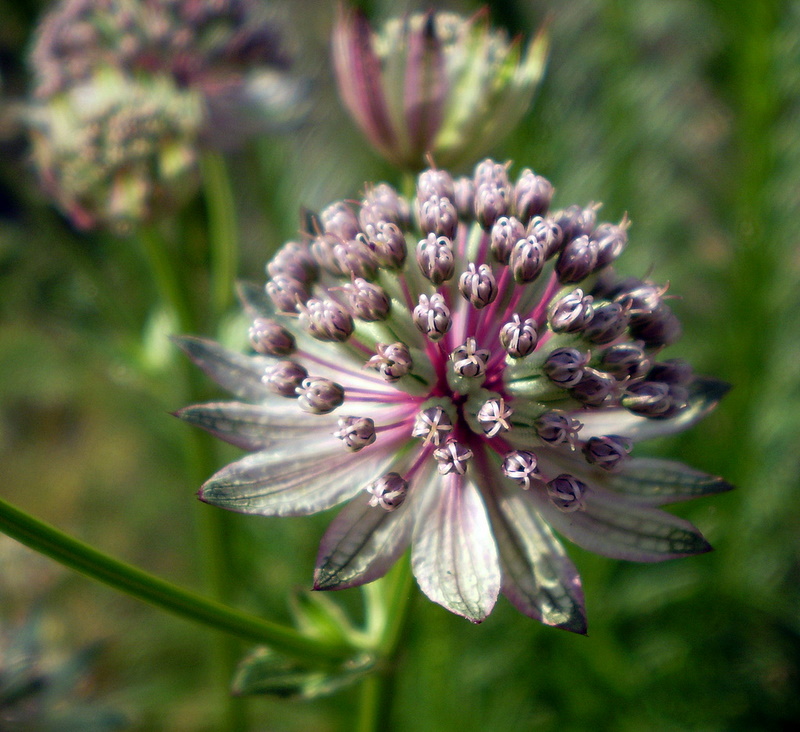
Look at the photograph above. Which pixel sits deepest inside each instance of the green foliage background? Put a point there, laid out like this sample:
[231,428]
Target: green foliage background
[685,114]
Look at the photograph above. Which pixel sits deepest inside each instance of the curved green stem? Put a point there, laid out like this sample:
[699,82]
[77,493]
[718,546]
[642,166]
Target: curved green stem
[75,554]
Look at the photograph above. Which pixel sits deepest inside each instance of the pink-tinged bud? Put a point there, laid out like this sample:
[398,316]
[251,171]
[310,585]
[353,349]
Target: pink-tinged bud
[567,493]
[527,259]
[576,221]
[437,216]
[432,316]
[611,240]
[286,293]
[388,492]
[319,396]
[469,360]
[465,197]
[284,378]
[626,361]
[571,313]
[518,338]
[393,361]
[578,259]
[547,232]
[435,258]
[294,260]
[322,249]
[532,195]
[608,323]
[367,302]
[520,466]
[326,320]
[356,432]
[270,338]
[594,387]
[607,451]
[432,425]
[340,220]
[491,203]
[495,417]
[355,258]
[506,232]
[434,182]
[388,244]
[452,457]
[557,428]
[382,204]
[564,366]
[478,285]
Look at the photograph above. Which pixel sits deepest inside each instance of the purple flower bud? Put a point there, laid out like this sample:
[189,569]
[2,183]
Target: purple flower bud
[356,432]
[478,285]
[673,371]
[294,260]
[340,220]
[469,360]
[648,398]
[388,244]
[435,182]
[557,428]
[492,173]
[270,338]
[355,258]
[452,457]
[626,361]
[322,249]
[520,466]
[435,258]
[388,492]
[518,338]
[326,320]
[506,232]
[576,221]
[494,416]
[527,259]
[594,388]
[564,366]
[286,293]
[532,195]
[659,328]
[437,216]
[491,202]
[284,378]
[382,204]
[393,361]
[547,232]
[432,425]
[465,197]
[368,302]
[608,323]
[611,240]
[571,313]
[638,298]
[578,259]
[567,493]
[432,316]
[607,451]
[319,396]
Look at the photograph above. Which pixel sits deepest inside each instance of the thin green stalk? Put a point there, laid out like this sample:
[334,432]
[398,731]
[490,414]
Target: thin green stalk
[77,555]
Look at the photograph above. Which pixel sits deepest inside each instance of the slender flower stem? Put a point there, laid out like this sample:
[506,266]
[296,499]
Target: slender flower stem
[75,554]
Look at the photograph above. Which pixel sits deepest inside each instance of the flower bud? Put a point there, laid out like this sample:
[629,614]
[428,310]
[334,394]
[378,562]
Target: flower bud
[576,221]
[532,195]
[659,328]
[647,398]
[319,396]
[435,182]
[594,387]
[571,313]
[567,493]
[388,492]
[355,258]
[340,220]
[607,451]
[437,216]
[382,204]
[367,302]
[518,338]
[520,466]
[452,457]
[432,316]
[506,232]
[564,366]
[626,361]
[322,249]
[494,416]
[611,240]
[388,244]
[465,197]
[578,259]
[527,259]
[286,293]
[435,258]
[326,320]
[270,338]
[284,378]
[548,233]
[393,361]
[432,425]
[557,428]
[673,371]
[356,432]
[607,324]
[469,360]
[478,285]
[294,260]
[638,298]
[491,202]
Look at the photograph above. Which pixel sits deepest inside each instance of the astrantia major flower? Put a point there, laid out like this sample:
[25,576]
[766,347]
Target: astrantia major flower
[469,376]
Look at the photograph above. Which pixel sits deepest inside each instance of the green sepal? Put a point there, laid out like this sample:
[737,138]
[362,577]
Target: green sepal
[318,616]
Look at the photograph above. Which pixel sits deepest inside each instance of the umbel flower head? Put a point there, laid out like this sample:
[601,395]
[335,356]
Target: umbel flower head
[434,83]
[467,374]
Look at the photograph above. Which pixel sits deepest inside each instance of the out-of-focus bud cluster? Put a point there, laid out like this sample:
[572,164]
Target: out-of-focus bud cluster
[434,83]
[127,93]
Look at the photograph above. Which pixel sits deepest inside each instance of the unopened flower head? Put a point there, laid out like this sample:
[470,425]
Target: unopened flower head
[490,413]
[435,83]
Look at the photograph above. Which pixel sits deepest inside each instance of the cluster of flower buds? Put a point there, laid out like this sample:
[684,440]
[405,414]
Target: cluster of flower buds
[496,380]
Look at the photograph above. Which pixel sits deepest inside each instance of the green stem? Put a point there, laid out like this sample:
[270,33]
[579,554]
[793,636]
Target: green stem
[222,231]
[83,558]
